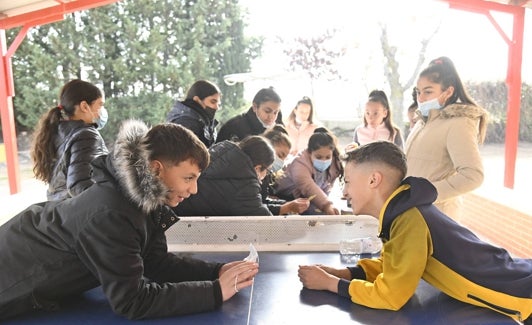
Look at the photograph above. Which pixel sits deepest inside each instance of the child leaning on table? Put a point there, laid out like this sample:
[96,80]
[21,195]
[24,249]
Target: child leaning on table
[419,242]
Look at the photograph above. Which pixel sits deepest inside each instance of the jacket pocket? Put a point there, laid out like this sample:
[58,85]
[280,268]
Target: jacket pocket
[502,310]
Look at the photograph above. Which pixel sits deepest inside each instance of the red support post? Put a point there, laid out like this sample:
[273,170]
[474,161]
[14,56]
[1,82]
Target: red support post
[513,75]
[513,81]
[8,120]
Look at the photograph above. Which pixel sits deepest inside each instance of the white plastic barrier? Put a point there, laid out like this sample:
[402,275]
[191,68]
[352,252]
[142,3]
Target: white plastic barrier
[273,233]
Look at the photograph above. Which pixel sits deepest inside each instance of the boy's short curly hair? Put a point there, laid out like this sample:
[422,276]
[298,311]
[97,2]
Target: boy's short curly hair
[384,152]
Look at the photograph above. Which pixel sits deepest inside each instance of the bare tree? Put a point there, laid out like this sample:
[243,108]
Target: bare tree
[391,71]
[316,56]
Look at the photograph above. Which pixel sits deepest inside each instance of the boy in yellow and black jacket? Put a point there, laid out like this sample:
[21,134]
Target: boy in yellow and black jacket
[420,242]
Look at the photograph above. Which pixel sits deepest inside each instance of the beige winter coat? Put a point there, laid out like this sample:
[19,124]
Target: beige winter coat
[445,150]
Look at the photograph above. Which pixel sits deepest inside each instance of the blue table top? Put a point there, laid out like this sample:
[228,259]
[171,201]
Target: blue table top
[279,298]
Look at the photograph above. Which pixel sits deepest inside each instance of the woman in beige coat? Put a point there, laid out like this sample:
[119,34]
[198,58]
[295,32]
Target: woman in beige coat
[444,144]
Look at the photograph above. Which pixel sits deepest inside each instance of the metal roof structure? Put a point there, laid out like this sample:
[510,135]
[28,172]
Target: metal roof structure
[31,13]
[38,12]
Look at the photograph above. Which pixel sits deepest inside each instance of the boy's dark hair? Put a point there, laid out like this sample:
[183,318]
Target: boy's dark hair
[174,143]
[379,152]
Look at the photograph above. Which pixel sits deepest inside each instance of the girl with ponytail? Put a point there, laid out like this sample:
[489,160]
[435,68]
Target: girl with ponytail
[378,123]
[66,140]
[443,146]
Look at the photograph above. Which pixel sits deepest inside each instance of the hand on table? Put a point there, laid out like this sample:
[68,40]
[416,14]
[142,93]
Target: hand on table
[235,276]
[296,206]
[316,278]
[330,210]
[342,273]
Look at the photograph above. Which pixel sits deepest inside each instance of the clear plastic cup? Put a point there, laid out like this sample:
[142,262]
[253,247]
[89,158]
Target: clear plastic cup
[351,249]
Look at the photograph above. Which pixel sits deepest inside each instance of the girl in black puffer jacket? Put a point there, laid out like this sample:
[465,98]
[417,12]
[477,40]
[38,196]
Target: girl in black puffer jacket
[67,140]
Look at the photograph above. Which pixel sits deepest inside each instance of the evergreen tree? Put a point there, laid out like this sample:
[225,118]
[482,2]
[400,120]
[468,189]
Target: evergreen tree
[143,54]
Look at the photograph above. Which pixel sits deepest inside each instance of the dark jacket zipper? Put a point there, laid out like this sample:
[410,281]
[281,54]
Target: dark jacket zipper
[498,308]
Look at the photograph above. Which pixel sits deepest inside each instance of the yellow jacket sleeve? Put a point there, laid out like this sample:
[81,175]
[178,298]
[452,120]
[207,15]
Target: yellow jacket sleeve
[393,279]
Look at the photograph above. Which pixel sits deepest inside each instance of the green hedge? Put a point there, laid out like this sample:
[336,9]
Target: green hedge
[493,96]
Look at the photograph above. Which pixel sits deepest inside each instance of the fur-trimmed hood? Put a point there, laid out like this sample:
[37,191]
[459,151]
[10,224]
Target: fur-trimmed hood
[133,172]
[458,110]
[461,110]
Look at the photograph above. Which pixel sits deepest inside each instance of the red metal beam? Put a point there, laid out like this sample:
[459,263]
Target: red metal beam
[513,75]
[513,81]
[49,14]
[481,6]
[10,87]
[8,121]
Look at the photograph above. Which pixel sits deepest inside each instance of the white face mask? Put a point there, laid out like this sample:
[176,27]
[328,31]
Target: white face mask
[266,126]
[428,105]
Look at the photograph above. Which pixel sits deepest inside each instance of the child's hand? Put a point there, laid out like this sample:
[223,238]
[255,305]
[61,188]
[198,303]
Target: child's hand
[331,210]
[315,278]
[237,276]
[300,205]
[343,273]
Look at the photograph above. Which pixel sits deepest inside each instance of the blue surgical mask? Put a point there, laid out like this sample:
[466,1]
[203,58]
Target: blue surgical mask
[321,165]
[426,106]
[101,120]
[277,165]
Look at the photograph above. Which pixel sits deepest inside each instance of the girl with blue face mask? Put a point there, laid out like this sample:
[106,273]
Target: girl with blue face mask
[312,173]
[443,146]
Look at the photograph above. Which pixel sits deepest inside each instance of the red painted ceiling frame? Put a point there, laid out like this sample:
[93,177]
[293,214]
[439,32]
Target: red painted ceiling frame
[7,91]
[513,74]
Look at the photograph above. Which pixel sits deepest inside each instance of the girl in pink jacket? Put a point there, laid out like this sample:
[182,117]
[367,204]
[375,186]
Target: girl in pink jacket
[312,173]
[378,123]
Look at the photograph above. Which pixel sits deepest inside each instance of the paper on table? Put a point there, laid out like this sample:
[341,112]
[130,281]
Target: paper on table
[253,255]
